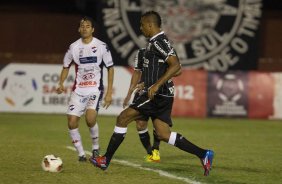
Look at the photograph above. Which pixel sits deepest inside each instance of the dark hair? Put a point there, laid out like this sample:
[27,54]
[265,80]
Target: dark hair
[155,17]
[86,18]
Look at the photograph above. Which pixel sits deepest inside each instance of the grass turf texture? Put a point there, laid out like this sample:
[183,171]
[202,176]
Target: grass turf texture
[246,151]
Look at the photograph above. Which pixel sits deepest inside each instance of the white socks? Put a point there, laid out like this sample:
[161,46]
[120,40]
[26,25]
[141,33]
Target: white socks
[94,134]
[143,131]
[76,140]
[172,138]
[120,130]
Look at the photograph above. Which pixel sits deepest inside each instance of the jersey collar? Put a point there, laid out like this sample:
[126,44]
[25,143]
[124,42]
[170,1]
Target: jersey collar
[156,35]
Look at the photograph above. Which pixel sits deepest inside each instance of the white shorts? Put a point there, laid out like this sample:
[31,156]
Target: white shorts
[78,104]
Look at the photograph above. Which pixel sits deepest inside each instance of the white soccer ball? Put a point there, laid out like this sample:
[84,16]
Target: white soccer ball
[51,163]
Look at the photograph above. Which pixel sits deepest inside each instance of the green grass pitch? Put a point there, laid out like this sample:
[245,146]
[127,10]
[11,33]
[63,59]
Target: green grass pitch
[246,151]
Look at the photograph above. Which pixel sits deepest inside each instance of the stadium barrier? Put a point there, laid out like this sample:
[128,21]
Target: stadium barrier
[32,88]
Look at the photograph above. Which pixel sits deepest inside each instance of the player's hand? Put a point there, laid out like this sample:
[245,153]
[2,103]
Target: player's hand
[139,87]
[152,91]
[126,100]
[60,89]
[107,100]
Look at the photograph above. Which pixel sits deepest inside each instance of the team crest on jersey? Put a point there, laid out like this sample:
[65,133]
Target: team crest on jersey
[94,49]
[210,34]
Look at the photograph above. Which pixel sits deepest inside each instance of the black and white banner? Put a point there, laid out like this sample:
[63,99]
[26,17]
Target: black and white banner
[216,35]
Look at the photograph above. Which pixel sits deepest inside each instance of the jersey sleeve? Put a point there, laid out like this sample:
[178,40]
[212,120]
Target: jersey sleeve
[68,58]
[138,60]
[164,48]
[107,56]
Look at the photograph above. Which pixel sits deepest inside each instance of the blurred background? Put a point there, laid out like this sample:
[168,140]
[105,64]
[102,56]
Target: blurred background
[233,45]
[41,31]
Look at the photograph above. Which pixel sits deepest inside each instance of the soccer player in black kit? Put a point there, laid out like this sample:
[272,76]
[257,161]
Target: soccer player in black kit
[160,64]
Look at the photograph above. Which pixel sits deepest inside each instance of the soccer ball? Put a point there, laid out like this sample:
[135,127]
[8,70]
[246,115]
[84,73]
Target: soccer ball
[52,163]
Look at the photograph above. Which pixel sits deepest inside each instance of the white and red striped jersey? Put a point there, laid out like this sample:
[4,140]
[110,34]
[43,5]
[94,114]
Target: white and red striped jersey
[89,60]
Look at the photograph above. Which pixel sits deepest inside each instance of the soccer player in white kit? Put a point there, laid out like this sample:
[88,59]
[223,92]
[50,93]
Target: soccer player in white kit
[89,55]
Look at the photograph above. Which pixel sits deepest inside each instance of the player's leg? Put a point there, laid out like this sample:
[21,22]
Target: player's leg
[156,147]
[157,142]
[75,136]
[142,128]
[176,139]
[91,120]
[179,141]
[74,112]
[126,116]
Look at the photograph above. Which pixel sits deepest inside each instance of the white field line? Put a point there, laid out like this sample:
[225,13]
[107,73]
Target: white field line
[160,172]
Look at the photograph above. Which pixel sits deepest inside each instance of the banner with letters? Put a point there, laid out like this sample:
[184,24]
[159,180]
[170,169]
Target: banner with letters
[32,88]
[215,35]
[198,93]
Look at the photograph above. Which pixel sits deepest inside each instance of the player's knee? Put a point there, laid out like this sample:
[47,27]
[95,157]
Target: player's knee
[73,122]
[91,123]
[121,120]
[163,136]
[141,125]
[72,125]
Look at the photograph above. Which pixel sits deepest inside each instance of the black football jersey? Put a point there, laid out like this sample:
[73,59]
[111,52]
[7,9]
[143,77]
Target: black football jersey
[138,61]
[154,63]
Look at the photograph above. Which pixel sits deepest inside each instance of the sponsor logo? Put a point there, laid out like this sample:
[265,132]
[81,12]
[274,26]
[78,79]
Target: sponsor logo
[18,89]
[85,84]
[210,34]
[232,93]
[83,99]
[230,88]
[90,69]
[86,60]
[88,76]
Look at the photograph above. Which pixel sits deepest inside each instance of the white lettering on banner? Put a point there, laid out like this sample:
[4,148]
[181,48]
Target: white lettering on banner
[230,108]
[199,32]
[184,92]
[117,33]
[55,100]
[47,77]
[51,89]
[31,88]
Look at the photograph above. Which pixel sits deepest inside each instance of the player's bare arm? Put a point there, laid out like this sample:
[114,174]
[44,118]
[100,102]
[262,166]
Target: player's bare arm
[174,67]
[108,96]
[133,83]
[179,72]
[63,76]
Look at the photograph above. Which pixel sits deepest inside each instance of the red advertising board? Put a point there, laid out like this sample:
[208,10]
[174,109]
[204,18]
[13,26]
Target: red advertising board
[260,95]
[190,94]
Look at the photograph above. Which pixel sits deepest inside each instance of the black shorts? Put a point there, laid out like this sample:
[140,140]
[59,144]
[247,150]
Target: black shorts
[144,117]
[158,108]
